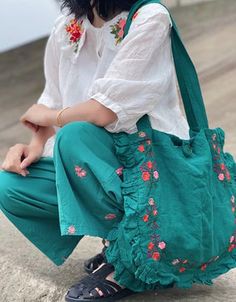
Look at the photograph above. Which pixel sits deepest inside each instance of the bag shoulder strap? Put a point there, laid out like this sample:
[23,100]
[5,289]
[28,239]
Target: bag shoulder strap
[186,73]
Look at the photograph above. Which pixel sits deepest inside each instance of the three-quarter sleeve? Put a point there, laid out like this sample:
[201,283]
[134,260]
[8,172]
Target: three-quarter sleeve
[51,95]
[140,72]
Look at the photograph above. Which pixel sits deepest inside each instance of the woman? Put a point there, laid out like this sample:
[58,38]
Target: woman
[66,182]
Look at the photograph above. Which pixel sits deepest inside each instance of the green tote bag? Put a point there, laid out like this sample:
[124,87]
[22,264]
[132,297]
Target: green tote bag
[179,225]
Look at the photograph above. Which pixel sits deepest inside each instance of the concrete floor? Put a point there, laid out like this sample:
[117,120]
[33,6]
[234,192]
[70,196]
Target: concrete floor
[209,31]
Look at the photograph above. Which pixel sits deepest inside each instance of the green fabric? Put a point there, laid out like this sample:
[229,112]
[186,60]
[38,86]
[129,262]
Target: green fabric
[179,196]
[57,203]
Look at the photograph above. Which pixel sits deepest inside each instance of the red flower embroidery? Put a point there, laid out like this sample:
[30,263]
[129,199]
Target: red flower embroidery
[149,165]
[227,174]
[182,269]
[141,148]
[74,31]
[156,256]
[146,176]
[145,218]
[219,167]
[222,166]
[203,267]
[151,245]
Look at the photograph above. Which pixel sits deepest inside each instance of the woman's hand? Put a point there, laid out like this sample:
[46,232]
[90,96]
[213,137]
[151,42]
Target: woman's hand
[39,115]
[20,156]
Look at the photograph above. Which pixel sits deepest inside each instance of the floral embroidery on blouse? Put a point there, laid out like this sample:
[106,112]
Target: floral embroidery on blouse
[219,166]
[80,172]
[110,216]
[118,30]
[71,229]
[74,31]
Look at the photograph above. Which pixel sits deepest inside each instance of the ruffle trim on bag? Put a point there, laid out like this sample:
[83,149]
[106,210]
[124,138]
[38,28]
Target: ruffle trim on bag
[132,267]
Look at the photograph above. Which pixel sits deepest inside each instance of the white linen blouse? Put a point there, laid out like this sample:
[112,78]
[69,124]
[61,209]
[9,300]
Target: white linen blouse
[132,76]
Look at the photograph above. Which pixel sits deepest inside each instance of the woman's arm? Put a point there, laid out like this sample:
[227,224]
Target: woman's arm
[134,83]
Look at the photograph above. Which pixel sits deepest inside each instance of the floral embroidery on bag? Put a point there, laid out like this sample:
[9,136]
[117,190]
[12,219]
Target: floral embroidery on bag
[156,245]
[149,171]
[232,240]
[219,167]
[118,30]
[74,31]
[232,245]
[71,229]
[80,172]
[110,216]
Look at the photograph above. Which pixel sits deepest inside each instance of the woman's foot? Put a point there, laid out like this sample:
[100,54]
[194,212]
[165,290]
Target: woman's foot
[93,263]
[99,285]
[109,277]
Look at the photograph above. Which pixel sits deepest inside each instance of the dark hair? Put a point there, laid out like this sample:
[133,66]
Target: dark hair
[105,8]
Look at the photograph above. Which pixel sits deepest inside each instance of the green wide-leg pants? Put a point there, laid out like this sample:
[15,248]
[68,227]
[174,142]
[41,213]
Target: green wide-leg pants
[75,193]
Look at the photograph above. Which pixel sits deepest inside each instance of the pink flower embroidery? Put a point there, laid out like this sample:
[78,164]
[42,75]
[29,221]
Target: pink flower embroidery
[71,229]
[141,134]
[182,269]
[74,31]
[80,172]
[118,30]
[155,212]
[156,174]
[221,176]
[119,171]
[151,201]
[110,216]
[162,245]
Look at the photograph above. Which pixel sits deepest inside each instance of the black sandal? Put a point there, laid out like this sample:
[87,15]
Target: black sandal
[85,290]
[93,263]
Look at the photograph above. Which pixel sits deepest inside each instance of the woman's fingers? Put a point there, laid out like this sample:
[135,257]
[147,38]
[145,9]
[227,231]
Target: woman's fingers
[13,160]
[31,126]
[27,161]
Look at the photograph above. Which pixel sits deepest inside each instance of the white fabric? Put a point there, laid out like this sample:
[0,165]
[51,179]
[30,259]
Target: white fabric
[132,78]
